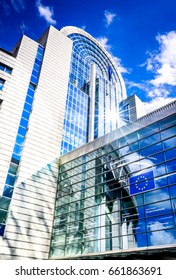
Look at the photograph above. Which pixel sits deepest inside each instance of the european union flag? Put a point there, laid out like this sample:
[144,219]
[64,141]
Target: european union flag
[141,183]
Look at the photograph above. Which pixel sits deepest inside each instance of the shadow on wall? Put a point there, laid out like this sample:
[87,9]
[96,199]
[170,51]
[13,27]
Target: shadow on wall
[30,216]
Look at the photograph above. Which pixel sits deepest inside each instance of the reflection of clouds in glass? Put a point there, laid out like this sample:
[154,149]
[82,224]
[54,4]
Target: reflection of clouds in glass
[161,237]
[141,164]
[160,170]
[169,143]
[157,196]
[134,162]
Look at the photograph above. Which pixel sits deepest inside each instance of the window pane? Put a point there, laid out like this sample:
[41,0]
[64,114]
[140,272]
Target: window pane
[39,56]
[27,107]
[36,67]
[5,68]
[169,143]
[30,92]
[40,49]
[2,228]
[8,191]
[19,139]
[168,132]
[13,168]
[3,215]
[148,130]
[4,203]
[142,240]
[158,158]
[173,191]
[32,87]
[151,150]
[132,137]
[25,115]
[38,61]
[168,122]
[156,195]
[24,122]
[170,154]
[161,181]
[22,131]
[10,180]
[29,99]
[160,170]
[160,232]
[34,80]
[149,140]
[17,149]
[1,83]
[159,208]
[15,158]
[171,165]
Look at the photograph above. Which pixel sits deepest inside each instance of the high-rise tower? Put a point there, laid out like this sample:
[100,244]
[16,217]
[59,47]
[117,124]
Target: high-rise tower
[114,192]
[56,94]
[95,90]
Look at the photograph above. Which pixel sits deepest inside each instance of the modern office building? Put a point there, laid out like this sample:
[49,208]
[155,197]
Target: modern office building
[116,196]
[82,173]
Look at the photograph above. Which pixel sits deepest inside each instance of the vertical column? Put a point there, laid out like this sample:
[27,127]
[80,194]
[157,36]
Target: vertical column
[102,229]
[124,235]
[116,234]
[92,102]
[119,122]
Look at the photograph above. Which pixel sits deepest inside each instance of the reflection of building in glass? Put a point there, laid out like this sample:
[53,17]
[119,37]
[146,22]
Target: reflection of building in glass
[115,189]
[131,109]
[94,91]
[121,194]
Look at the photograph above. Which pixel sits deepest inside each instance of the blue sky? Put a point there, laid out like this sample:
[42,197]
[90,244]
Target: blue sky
[139,34]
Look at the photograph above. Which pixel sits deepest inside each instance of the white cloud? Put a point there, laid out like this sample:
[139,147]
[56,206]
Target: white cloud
[109,17]
[131,84]
[163,62]
[104,43]
[23,27]
[83,27]
[158,92]
[157,96]
[157,102]
[46,12]
[122,69]
[18,5]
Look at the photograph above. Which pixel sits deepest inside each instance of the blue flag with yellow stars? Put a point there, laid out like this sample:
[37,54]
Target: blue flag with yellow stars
[141,183]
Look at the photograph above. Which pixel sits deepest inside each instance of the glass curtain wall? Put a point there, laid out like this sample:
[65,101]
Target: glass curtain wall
[107,93]
[121,196]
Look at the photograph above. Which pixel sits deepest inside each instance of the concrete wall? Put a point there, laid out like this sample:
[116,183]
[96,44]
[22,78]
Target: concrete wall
[14,94]
[29,224]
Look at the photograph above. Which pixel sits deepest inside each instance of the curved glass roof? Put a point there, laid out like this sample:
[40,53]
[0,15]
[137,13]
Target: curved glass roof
[90,50]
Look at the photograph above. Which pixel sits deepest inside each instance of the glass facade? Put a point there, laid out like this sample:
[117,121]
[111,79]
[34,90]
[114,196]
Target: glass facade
[5,68]
[108,92]
[75,122]
[2,82]
[120,196]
